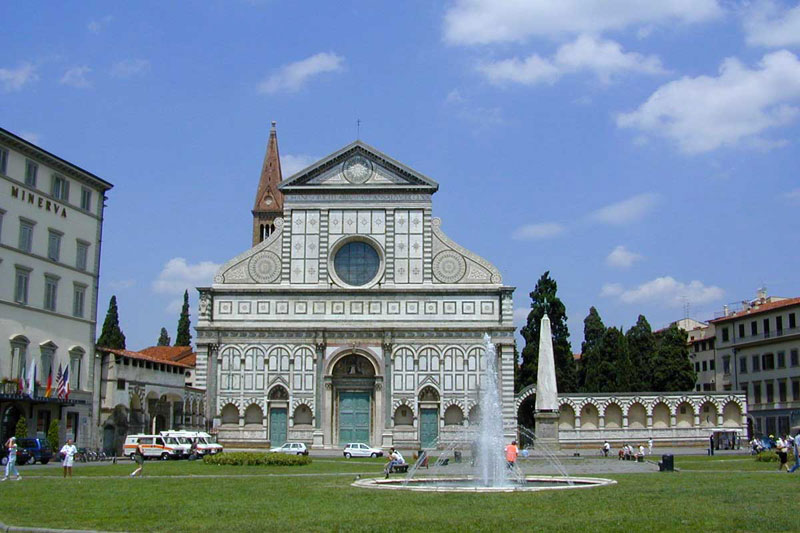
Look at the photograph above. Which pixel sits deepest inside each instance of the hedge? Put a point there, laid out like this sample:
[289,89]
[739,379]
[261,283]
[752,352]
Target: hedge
[770,456]
[256,459]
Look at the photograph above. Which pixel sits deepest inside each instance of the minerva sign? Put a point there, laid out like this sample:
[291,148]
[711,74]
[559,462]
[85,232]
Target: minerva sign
[38,201]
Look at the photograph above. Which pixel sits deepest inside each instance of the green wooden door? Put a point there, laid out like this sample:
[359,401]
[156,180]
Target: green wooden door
[353,417]
[277,427]
[428,427]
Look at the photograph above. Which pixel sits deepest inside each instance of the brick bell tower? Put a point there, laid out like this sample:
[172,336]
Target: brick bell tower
[269,200]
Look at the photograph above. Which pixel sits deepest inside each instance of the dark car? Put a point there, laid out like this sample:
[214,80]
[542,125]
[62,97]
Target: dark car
[23,456]
[38,449]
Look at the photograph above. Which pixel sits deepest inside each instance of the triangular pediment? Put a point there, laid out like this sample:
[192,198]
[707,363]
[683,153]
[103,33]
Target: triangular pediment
[358,166]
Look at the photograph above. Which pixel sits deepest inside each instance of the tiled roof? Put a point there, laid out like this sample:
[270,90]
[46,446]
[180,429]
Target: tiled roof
[761,308]
[143,357]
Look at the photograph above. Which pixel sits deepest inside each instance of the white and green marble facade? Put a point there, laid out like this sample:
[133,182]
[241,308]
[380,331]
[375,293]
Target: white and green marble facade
[278,318]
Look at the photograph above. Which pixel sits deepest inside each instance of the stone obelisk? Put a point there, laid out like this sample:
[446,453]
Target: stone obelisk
[546,414]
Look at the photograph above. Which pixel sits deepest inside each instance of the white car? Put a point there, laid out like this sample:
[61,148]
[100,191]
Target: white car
[292,448]
[359,449]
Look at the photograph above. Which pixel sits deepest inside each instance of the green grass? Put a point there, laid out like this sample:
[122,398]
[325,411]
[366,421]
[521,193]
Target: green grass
[731,498]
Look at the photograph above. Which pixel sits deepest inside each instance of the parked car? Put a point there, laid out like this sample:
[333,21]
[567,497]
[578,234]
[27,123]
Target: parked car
[23,456]
[292,448]
[39,450]
[359,449]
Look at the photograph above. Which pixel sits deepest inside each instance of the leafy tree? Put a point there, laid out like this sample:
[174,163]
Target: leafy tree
[112,336]
[21,431]
[672,370]
[642,348]
[608,368]
[52,435]
[593,330]
[544,299]
[163,339]
[184,336]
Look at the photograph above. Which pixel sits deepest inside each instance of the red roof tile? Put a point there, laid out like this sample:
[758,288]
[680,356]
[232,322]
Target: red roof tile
[143,357]
[761,308]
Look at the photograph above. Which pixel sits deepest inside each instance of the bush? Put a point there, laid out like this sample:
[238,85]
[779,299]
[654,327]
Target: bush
[256,459]
[21,431]
[52,435]
[771,456]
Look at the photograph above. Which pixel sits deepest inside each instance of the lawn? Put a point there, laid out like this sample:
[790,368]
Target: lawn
[738,495]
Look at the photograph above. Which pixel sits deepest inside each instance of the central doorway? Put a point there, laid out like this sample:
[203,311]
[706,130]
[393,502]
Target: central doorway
[354,416]
[353,379]
[277,426]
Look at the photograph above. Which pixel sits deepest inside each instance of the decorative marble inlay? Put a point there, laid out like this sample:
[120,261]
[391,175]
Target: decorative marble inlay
[358,169]
[225,308]
[264,267]
[449,266]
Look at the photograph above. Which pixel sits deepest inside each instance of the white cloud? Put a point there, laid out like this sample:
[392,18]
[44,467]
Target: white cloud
[792,197]
[626,211]
[76,77]
[454,98]
[471,22]
[31,136]
[13,79]
[767,24]
[664,290]
[128,68]
[544,230]
[602,57]
[178,276]
[293,76]
[96,25]
[521,316]
[621,257]
[121,284]
[291,163]
[704,113]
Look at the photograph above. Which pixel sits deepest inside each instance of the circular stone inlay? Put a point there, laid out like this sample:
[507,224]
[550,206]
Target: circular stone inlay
[357,169]
[264,267]
[449,266]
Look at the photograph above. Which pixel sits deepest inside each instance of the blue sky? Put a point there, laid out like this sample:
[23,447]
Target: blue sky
[643,152]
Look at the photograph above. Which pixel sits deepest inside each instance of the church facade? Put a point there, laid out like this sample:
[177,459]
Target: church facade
[353,318]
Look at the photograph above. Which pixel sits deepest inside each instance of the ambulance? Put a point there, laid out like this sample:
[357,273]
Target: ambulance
[205,442]
[154,447]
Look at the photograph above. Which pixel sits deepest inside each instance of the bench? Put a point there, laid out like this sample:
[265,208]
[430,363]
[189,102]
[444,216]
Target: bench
[401,469]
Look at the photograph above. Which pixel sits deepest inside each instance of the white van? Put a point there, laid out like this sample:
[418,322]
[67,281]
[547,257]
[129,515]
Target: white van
[153,446]
[205,442]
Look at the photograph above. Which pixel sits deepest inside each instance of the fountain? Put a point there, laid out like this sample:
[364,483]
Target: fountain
[487,470]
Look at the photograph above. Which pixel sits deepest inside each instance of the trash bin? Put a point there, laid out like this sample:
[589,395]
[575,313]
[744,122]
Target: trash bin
[667,463]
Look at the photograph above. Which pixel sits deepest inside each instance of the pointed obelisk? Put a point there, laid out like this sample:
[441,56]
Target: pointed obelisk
[546,414]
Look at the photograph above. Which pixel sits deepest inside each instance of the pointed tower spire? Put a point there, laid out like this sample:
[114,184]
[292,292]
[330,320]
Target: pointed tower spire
[269,200]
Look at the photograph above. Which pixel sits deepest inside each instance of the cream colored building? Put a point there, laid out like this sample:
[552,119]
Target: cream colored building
[51,222]
[353,317]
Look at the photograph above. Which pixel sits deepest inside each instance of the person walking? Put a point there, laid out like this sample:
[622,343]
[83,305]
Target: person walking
[711,445]
[511,454]
[650,446]
[796,449]
[139,458]
[606,448]
[783,455]
[68,452]
[11,465]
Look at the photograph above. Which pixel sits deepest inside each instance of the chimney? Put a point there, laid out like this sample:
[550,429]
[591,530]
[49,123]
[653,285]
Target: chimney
[725,310]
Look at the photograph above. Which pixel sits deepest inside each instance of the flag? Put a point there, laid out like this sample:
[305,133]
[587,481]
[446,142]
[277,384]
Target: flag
[59,382]
[48,392]
[32,380]
[63,389]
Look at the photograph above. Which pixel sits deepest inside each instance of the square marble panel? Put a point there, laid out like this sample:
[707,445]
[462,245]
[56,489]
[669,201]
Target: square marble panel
[262,307]
[319,308]
[356,308]
[393,308]
[375,308]
[431,308]
[412,308]
[282,308]
[301,308]
[487,308]
[312,222]
[415,221]
[244,308]
[364,222]
[401,221]
[449,308]
[468,308]
[378,221]
[335,222]
[349,222]
[337,308]
[225,307]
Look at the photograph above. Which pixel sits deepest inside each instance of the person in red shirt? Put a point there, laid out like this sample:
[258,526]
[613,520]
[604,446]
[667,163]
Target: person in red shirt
[511,454]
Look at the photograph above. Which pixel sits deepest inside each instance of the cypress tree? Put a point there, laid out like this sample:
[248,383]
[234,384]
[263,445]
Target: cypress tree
[163,339]
[609,366]
[642,348]
[544,299]
[184,336]
[111,335]
[593,330]
[672,370]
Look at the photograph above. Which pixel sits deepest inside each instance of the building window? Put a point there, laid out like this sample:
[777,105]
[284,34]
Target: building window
[75,363]
[796,390]
[3,161]
[741,331]
[781,359]
[756,363]
[50,292]
[711,343]
[782,391]
[78,298]
[768,361]
[1,224]
[793,357]
[60,188]
[753,328]
[120,384]
[356,263]
[766,327]
[54,244]
[697,366]
[770,387]
[26,235]
[82,255]
[711,365]
[778,325]
[42,423]
[756,392]
[725,334]
[792,321]
[19,353]
[696,347]
[48,352]
[31,170]
[86,199]
[743,365]
[21,282]
[726,365]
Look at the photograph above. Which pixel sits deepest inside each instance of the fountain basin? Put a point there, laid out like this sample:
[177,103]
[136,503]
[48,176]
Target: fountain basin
[473,484]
